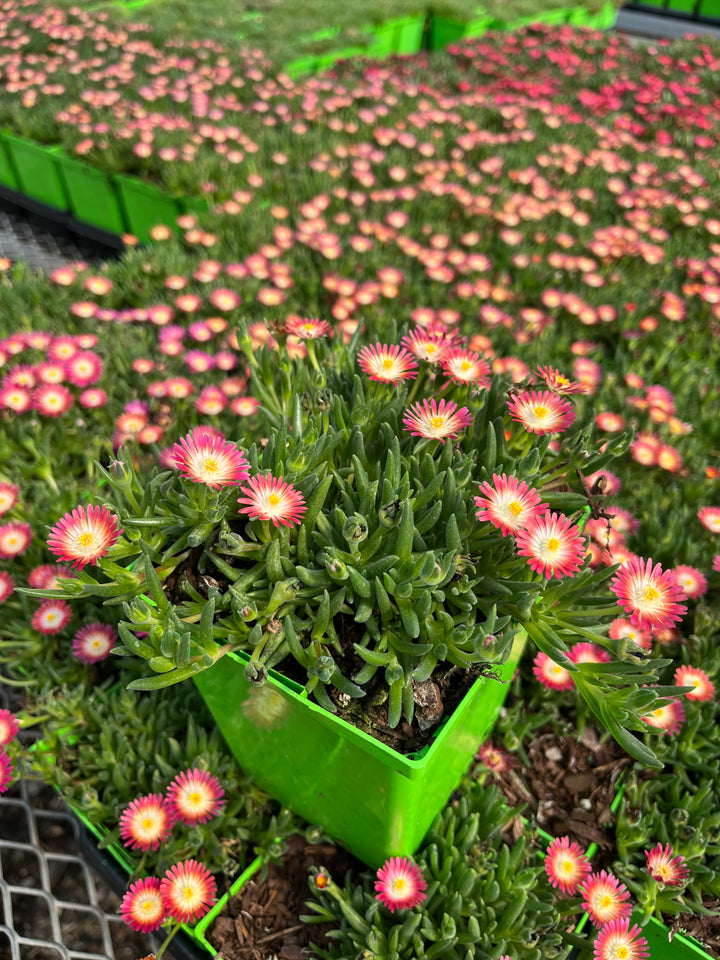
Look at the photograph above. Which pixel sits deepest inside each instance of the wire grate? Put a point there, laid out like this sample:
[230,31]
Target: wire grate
[42,244]
[53,906]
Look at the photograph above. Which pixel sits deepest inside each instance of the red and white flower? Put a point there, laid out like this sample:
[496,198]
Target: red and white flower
[666,867]
[6,586]
[208,458]
[566,865]
[466,366]
[605,898]
[15,538]
[9,727]
[270,498]
[9,494]
[669,719]
[84,535]
[388,364]
[94,642]
[195,796]
[51,616]
[693,582]
[146,822]
[553,545]
[307,329]
[709,517]
[142,907]
[617,940]
[52,399]
[550,674]
[541,413]
[188,891]
[436,421]
[558,382]
[400,884]
[508,503]
[651,596]
[6,771]
[704,689]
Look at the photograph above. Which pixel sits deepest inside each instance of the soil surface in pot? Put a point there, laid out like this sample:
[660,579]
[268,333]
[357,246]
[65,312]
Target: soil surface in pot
[569,787]
[263,920]
[704,929]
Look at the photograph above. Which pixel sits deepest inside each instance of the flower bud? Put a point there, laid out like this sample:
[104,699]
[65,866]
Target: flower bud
[389,513]
[355,529]
[256,672]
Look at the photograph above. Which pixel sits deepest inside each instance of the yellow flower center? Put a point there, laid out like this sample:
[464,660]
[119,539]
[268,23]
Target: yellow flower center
[387,363]
[622,953]
[465,366]
[553,544]
[210,465]
[273,499]
[188,893]
[540,412]
[650,594]
[195,798]
[568,866]
[85,539]
[606,901]
[437,422]
[399,884]
[148,823]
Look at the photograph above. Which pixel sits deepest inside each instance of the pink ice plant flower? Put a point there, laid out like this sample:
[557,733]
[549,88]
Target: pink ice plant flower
[84,535]
[666,867]
[508,503]
[566,865]
[435,420]
[209,458]
[651,595]
[400,884]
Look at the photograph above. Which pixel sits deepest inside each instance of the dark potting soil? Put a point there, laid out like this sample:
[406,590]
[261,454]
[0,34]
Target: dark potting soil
[704,929]
[264,919]
[569,787]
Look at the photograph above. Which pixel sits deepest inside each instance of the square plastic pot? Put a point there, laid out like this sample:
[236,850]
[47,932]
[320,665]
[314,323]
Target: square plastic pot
[93,195]
[7,172]
[402,35]
[145,207]
[374,800]
[37,170]
[444,32]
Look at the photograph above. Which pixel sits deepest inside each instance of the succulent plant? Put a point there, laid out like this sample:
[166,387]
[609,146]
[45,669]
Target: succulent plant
[485,898]
[380,574]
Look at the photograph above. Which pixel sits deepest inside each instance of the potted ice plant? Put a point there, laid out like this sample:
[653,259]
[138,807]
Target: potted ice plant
[368,556]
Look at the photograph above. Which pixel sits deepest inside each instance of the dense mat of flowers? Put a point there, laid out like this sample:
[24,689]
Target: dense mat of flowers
[549,196]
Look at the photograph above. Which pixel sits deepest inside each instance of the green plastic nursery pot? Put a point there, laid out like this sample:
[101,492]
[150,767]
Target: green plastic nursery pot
[145,207]
[37,170]
[7,173]
[444,32]
[402,35]
[93,195]
[679,948]
[366,795]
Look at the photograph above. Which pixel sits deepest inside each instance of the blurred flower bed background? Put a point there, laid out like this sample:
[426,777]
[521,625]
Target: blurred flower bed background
[541,198]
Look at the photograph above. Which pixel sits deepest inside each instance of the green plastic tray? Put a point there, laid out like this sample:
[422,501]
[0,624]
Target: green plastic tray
[37,170]
[93,195]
